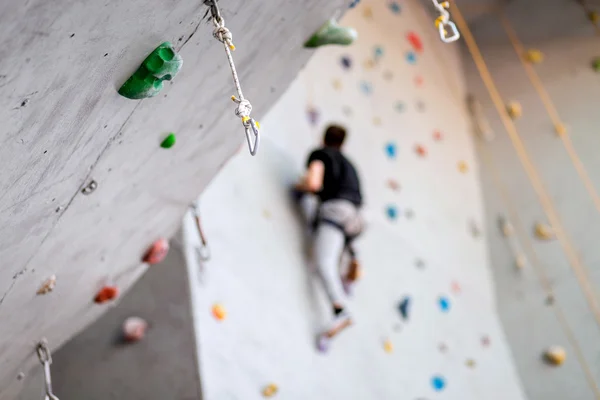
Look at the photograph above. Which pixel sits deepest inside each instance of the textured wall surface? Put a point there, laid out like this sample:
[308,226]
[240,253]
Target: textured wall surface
[391,95]
[532,323]
[64,124]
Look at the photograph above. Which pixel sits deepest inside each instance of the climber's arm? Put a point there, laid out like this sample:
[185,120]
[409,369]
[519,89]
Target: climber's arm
[312,181]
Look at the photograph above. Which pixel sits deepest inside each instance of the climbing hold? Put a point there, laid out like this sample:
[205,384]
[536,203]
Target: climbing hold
[399,106]
[332,33]
[438,383]
[421,151]
[347,111]
[409,214]
[157,252]
[543,231]
[463,167]
[560,129]
[134,329]
[368,12]
[354,3]
[346,62]
[377,52]
[549,300]
[366,87]
[270,390]
[395,7]
[267,214]
[411,57]
[90,188]
[392,212]
[162,64]
[105,294]
[390,149]
[415,41]
[404,307]
[470,363]
[437,136]
[376,121]
[444,304]
[20,376]
[455,287]
[388,75]
[534,56]
[393,184]
[47,286]
[313,115]
[420,106]
[388,346]
[555,355]
[485,341]
[505,226]
[419,81]
[218,311]
[169,141]
[337,84]
[596,64]
[520,261]
[419,263]
[514,109]
[442,347]
[474,228]
[594,17]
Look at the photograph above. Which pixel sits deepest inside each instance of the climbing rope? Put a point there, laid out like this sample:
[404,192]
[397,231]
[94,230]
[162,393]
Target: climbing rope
[447,29]
[542,276]
[244,107]
[45,358]
[551,110]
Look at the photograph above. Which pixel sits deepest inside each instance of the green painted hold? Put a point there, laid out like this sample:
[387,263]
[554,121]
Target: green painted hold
[596,64]
[162,64]
[169,141]
[332,33]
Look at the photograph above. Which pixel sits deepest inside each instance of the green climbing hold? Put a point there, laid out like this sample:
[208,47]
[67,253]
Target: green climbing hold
[169,141]
[596,64]
[332,33]
[162,64]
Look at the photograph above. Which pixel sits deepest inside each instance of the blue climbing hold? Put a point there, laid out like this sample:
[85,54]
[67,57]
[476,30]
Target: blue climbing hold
[392,212]
[354,3]
[444,304]
[346,62]
[390,150]
[395,7]
[411,57]
[366,87]
[404,307]
[378,52]
[438,383]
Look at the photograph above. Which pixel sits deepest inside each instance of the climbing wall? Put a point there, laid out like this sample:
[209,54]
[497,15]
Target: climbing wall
[258,305]
[541,174]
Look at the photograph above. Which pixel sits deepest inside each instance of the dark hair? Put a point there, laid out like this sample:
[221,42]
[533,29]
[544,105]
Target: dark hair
[334,136]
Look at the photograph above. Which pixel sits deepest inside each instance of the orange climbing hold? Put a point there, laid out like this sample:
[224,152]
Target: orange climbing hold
[388,346]
[157,252]
[107,293]
[437,136]
[219,312]
[463,167]
[270,390]
[421,151]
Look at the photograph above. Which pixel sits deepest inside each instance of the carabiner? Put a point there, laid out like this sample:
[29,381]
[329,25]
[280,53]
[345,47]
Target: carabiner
[450,35]
[251,127]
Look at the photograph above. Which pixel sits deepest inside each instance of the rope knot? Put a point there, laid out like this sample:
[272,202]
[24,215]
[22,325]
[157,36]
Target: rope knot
[243,109]
[223,35]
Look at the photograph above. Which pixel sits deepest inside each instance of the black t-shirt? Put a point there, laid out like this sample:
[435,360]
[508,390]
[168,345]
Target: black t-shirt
[340,180]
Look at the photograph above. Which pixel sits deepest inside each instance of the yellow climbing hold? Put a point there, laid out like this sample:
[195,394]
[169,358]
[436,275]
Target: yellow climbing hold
[470,363]
[594,17]
[388,346]
[270,390]
[376,121]
[463,167]
[368,12]
[560,129]
[543,231]
[521,261]
[555,355]
[514,109]
[534,56]
[337,84]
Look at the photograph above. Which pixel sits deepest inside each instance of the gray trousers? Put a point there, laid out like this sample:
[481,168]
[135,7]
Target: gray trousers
[329,241]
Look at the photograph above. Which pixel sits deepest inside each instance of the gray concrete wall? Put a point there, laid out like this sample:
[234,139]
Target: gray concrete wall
[64,125]
[569,44]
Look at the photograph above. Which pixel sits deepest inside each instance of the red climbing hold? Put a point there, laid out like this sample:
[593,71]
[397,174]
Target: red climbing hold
[157,252]
[419,81]
[437,136]
[107,293]
[415,41]
[421,151]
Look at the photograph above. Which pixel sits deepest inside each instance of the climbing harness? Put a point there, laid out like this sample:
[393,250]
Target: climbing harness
[448,30]
[244,108]
[43,354]
[203,250]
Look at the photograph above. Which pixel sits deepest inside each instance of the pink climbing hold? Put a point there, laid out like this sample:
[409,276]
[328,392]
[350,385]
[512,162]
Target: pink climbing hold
[157,252]
[437,136]
[134,329]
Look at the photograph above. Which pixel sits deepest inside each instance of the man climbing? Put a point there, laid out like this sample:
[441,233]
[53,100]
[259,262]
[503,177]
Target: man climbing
[335,221]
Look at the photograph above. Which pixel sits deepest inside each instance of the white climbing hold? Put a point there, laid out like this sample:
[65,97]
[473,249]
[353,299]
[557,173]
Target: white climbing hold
[47,286]
[521,261]
[505,226]
[514,109]
[555,355]
[543,231]
[134,329]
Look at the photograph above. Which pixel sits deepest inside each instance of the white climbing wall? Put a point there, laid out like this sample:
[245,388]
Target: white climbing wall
[393,98]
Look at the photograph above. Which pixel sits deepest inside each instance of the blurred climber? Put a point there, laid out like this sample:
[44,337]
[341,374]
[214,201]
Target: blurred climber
[330,197]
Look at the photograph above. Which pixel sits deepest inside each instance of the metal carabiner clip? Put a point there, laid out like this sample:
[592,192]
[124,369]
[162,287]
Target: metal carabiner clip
[45,358]
[251,127]
[448,35]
